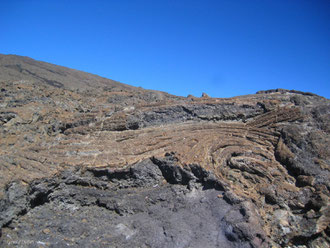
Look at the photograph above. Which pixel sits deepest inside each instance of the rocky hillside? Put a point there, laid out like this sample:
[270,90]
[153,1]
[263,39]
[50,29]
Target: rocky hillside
[89,162]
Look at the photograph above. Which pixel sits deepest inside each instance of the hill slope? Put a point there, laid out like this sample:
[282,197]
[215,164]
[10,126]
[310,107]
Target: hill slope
[165,171]
[15,68]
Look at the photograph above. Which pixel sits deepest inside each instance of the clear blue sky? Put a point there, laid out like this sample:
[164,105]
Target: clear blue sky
[221,47]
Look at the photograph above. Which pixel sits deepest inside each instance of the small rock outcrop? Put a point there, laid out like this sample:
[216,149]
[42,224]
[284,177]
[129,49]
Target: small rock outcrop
[204,95]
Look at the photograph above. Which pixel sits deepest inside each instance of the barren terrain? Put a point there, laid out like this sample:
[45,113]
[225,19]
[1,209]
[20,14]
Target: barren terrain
[141,168]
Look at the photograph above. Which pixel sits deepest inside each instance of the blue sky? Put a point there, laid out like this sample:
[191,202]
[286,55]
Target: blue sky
[222,47]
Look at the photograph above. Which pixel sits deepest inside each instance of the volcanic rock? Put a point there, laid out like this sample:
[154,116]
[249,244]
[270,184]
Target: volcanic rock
[89,162]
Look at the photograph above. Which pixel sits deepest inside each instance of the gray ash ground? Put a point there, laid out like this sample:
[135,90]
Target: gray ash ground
[151,204]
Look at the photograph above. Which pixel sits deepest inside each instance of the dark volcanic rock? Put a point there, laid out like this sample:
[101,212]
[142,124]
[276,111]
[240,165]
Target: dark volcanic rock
[195,112]
[147,205]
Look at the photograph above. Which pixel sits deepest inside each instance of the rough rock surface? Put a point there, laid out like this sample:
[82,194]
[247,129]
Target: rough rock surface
[151,204]
[89,162]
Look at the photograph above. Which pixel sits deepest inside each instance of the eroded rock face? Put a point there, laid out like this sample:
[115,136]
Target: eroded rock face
[238,172]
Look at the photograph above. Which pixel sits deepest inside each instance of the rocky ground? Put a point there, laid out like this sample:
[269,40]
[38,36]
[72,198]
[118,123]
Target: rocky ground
[89,162]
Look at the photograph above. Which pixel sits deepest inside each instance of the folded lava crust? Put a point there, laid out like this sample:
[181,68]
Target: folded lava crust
[86,161]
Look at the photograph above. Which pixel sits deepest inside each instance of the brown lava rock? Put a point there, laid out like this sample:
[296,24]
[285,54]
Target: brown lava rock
[66,134]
